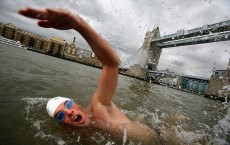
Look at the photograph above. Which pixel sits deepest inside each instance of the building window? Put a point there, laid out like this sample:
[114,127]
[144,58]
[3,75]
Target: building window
[13,34]
[42,45]
[31,42]
[4,32]
[51,48]
[219,73]
[22,39]
[59,50]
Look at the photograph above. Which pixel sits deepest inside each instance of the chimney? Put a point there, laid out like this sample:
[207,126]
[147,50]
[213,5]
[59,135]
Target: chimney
[74,39]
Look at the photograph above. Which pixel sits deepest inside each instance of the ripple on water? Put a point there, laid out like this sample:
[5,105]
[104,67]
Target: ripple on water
[222,130]
[190,137]
[38,120]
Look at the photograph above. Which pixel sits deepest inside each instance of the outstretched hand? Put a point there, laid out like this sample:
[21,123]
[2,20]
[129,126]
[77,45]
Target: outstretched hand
[60,19]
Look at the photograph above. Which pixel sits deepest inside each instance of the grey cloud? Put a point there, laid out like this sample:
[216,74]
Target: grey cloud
[124,23]
[179,63]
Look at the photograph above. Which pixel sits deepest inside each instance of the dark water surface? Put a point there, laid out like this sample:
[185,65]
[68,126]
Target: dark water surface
[28,79]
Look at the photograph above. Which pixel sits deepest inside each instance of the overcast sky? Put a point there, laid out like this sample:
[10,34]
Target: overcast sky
[123,23]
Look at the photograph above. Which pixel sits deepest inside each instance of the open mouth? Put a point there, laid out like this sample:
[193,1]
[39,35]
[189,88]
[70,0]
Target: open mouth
[78,118]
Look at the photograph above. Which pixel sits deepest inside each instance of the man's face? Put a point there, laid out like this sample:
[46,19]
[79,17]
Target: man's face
[73,115]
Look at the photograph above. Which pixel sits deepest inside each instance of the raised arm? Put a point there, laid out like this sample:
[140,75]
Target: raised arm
[63,20]
[109,76]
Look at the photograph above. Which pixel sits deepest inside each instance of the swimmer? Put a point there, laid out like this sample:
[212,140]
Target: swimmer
[101,112]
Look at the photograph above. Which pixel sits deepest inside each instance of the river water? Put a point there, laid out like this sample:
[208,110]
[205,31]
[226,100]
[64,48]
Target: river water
[28,79]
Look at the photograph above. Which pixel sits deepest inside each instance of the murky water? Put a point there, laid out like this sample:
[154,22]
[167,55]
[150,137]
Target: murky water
[28,79]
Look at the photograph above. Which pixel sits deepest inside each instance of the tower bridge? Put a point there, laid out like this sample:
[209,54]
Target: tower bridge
[206,34]
[205,30]
[153,44]
[150,52]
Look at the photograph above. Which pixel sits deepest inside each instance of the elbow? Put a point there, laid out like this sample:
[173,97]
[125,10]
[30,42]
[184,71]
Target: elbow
[116,62]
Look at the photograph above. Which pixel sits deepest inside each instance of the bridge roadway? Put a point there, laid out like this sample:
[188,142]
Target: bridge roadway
[225,36]
[206,34]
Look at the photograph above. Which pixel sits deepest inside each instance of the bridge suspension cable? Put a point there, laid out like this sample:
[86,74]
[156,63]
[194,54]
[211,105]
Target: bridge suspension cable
[123,63]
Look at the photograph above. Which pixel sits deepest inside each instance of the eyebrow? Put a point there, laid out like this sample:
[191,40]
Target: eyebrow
[56,114]
[65,102]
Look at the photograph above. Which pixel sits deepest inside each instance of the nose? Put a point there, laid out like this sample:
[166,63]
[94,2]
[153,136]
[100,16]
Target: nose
[69,112]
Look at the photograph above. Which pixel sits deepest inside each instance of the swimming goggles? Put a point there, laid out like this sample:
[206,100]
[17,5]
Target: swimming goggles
[60,117]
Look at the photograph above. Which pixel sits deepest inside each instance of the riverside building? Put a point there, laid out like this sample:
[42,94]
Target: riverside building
[55,46]
[219,84]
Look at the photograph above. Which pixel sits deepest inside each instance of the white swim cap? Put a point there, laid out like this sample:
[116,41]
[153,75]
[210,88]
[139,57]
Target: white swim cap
[53,104]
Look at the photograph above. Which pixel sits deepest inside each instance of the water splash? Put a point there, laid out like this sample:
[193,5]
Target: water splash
[222,130]
[188,136]
[31,102]
[130,113]
[125,136]
[58,140]
[37,121]
[78,138]
[98,138]
[110,143]
[154,119]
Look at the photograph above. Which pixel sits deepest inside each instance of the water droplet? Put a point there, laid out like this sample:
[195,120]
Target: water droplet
[205,113]
[78,138]
[125,136]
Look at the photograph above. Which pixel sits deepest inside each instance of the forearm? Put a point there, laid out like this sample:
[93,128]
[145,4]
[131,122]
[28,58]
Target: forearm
[103,51]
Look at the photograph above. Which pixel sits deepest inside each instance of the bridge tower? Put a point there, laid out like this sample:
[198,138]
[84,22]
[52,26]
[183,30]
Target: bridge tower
[150,53]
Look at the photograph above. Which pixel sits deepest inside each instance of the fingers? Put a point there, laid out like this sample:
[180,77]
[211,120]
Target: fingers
[33,13]
[57,11]
[52,17]
[47,14]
